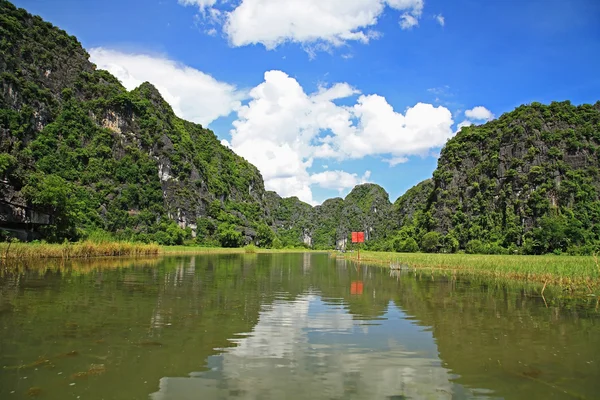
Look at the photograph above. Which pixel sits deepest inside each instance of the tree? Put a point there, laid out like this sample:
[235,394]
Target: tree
[450,243]
[264,236]
[409,246]
[475,246]
[53,193]
[229,237]
[430,242]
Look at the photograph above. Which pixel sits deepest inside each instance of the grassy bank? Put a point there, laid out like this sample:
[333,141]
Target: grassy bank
[88,249]
[565,271]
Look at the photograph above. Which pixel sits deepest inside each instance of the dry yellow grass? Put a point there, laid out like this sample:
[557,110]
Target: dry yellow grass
[87,249]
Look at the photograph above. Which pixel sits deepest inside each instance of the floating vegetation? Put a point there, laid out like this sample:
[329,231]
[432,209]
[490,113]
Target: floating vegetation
[150,344]
[93,370]
[39,362]
[532,373]
[34,391]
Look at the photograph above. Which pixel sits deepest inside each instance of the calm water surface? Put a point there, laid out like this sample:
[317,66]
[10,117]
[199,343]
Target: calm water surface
[285,326]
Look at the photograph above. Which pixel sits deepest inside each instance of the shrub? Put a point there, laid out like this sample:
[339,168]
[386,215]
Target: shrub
[431,242]
[475,246]
[229,237]
[409,246]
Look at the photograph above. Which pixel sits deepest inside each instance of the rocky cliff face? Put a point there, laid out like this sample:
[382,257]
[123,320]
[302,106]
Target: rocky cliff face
[414,200]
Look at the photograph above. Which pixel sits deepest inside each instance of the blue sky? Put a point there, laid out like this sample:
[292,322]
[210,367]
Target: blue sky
[324,94]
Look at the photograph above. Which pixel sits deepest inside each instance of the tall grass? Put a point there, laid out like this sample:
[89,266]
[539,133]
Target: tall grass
[86,249]
[105,246]
[565,271]
[77,266]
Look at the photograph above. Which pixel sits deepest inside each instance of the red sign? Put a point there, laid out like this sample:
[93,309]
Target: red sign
[358,237]
[356,287]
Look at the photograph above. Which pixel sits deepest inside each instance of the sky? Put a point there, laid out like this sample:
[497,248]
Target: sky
[322,95]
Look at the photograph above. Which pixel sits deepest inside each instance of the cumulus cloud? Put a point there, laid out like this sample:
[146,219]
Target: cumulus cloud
[479,113]
[476,114]
[339,180]
[325,23]
[440,19]
[193,94]
[283,129]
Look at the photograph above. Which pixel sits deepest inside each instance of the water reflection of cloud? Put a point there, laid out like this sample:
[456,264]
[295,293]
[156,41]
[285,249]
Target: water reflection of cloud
[309,349]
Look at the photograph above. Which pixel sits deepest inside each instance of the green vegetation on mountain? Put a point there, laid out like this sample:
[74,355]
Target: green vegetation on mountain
[528,182]
[366,208]
[75,143]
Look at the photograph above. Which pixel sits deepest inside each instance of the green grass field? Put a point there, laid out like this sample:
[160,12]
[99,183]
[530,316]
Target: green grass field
[566,271]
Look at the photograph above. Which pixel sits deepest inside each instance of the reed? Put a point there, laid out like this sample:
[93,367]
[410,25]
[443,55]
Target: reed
[107,248]
[86,249]
[250,249]
[569,272]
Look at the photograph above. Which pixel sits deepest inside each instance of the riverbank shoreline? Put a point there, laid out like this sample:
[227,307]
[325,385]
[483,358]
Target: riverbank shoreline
[574,273]
[92,249]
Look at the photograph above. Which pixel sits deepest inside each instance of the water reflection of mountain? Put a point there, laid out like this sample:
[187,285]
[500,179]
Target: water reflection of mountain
[288,316]
[308,349]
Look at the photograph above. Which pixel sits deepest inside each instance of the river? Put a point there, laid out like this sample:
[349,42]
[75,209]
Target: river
[286,326]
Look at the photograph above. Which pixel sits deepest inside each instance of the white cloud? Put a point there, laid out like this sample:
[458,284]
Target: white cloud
[202,4]
[309,22]
[193,94]
[440,19]
[283,129]
[463,124]
[440,90]
[408,21]
[339,180]
[479,113]
[381,130]
[396,160]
